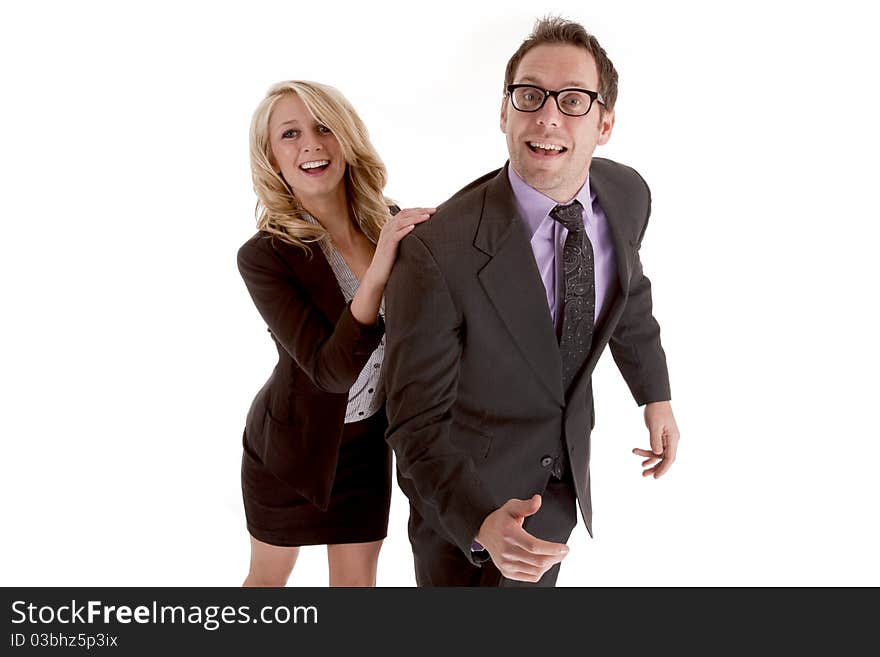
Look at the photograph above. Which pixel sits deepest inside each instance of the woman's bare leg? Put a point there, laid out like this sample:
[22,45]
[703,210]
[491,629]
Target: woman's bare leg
[353,564]
[271,565]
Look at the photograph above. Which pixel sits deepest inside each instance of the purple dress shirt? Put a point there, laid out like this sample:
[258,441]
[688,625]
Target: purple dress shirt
[548,237]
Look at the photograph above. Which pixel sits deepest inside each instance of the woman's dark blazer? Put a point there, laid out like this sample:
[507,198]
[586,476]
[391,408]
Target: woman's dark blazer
[295,422]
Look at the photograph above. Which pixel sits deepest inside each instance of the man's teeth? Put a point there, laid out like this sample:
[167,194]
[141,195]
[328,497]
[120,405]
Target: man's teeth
[314,165]
[546,147]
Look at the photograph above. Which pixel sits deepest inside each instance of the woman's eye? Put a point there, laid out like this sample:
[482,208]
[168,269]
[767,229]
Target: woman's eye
[323,130]
[290,134]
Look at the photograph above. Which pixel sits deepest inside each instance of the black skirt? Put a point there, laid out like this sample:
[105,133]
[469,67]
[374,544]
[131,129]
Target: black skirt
[359,502]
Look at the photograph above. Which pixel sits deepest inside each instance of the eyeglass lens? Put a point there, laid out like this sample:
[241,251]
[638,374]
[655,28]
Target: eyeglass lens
[530,99]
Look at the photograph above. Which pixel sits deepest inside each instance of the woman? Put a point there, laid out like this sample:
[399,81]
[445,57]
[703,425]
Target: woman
[316,469]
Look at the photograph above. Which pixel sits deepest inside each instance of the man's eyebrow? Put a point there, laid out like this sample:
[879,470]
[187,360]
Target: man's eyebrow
[565,85]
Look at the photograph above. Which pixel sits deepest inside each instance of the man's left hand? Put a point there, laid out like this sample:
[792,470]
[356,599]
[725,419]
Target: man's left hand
[664,439]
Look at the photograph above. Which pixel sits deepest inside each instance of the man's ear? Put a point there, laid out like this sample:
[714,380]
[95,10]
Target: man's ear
[503,122]
[606,125]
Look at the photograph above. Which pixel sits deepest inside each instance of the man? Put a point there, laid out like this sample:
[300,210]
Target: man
[497,312]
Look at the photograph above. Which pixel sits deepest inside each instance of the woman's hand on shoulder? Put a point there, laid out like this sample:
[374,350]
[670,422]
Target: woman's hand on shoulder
[394,230]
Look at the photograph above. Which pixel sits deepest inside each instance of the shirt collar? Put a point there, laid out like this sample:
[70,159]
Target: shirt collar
[534,206]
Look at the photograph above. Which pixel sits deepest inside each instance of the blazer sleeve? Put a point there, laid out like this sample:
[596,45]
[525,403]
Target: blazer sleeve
[422,358]
[635,343]
[332,356]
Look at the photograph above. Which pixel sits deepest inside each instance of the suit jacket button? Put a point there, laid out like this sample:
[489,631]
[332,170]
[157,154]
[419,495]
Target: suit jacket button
[546,461]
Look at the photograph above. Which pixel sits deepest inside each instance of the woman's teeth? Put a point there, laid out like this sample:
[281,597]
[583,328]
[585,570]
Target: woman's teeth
[305,166]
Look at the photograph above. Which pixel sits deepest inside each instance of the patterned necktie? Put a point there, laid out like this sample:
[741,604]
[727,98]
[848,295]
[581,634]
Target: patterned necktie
[579,302]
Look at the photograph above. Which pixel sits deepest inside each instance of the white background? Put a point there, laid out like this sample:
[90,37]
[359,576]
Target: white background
[130,349]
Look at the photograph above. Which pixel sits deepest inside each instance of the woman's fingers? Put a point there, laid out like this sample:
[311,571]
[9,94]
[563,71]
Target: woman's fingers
[404,221]
[410,220]
[408,215]
[416,211]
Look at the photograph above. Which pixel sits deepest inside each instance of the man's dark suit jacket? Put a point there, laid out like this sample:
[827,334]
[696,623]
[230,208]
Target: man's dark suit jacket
[473,370]
[295,422]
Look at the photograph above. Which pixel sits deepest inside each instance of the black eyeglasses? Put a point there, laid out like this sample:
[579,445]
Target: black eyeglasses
[573,102]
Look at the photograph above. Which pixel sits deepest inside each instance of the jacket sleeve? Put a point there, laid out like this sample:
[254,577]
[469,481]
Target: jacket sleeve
[331,356]
[635,343]
[422,359]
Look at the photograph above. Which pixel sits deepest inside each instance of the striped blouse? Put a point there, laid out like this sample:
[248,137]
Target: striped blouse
[367,394]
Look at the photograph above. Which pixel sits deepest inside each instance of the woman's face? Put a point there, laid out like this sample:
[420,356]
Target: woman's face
[306,152]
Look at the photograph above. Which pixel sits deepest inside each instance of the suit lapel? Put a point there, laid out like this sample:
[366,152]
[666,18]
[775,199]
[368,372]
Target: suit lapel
[513,284]
[613,201]
[313,273]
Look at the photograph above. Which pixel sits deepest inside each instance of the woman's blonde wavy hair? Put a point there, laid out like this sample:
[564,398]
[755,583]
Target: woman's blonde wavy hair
[278,210]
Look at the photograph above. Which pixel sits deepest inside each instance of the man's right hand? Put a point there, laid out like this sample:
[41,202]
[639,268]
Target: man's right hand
[515,552]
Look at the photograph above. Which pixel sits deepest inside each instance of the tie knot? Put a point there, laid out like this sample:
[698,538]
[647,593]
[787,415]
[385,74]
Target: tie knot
[571,215]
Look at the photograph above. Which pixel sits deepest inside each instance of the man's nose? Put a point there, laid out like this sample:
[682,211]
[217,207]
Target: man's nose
[549,115]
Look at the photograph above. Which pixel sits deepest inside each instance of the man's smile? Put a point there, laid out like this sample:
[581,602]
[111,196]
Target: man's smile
[545,149]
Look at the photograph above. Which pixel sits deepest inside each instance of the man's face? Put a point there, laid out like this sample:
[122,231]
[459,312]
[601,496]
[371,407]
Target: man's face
[561,171]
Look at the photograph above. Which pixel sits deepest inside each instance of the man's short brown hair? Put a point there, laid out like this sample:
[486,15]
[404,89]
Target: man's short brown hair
[553,29]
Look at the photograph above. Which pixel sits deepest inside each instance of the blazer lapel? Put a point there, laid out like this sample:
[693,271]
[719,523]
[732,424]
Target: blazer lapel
[513,284]
[313,273]
[614,205]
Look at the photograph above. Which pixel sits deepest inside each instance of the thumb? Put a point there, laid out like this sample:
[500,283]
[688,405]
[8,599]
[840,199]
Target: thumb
[656,432]
[524,508]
